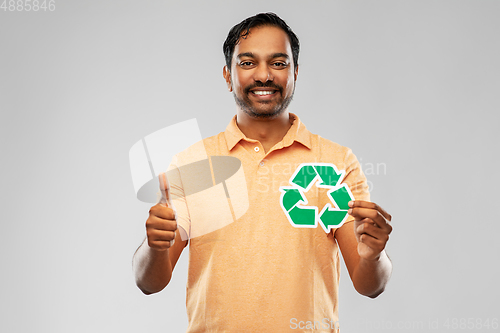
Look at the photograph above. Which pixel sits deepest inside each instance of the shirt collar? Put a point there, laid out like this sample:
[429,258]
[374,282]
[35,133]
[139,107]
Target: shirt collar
[297,132]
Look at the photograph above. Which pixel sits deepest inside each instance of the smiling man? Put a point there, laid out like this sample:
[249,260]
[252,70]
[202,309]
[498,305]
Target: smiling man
[263,81]
[261,73]
[261,273]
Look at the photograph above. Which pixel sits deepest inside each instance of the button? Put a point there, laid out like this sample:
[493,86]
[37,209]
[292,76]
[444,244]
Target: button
[261,163]
[256,149]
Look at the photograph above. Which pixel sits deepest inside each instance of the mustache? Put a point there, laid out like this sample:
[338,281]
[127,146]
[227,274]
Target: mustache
[264,85]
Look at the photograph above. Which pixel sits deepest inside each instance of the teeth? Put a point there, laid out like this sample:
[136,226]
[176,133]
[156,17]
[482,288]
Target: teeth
[260,92]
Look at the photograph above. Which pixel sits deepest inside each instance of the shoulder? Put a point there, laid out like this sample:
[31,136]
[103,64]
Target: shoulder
[324,143]
[202,149]
[330,151]
[215,141]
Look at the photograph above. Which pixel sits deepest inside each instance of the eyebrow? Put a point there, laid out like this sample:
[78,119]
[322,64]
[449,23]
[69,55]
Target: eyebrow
[274,55]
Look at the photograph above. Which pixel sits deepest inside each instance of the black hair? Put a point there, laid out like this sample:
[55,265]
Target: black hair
[242,30]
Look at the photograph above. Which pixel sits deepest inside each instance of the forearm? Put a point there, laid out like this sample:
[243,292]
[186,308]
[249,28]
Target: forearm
[152,269]
[371,276]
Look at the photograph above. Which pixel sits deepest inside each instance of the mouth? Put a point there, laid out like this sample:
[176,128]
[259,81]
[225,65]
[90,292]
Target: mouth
[263,93]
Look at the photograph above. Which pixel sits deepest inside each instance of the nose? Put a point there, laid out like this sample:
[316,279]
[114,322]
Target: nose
[263,73]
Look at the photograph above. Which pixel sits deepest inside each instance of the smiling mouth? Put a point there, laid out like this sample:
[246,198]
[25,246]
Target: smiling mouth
[263,92]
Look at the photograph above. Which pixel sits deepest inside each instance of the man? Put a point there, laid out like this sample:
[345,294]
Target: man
[260,273]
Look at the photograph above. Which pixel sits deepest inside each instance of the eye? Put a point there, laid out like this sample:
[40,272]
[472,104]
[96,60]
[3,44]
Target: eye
[246,64]
[280,65]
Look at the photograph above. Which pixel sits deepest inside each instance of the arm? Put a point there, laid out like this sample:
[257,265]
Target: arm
[155,259]
[362,244]
[153,267]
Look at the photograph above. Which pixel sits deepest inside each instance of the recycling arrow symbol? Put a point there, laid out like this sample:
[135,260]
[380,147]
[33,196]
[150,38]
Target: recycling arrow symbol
[293,202]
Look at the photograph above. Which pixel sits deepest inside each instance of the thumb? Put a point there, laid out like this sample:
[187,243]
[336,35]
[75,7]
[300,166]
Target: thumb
[165,195]
[165,190]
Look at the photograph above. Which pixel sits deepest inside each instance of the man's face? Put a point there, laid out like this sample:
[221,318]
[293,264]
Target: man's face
[262,76]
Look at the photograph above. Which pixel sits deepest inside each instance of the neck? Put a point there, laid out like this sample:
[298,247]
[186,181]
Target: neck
[267,131]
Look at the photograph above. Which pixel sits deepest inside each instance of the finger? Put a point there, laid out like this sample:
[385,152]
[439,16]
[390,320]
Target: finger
[155,236]
[161,245]
[165,190]
[370,205]
[162,212]
[373,231]
[158,223]
[366,220]
[362,213]
[373,243]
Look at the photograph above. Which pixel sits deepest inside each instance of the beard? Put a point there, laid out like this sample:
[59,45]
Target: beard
[257,112]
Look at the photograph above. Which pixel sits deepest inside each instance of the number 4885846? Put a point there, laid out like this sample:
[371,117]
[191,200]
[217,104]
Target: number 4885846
[28,5]
[470,323]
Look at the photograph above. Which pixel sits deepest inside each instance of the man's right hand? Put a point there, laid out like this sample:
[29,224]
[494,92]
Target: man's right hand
[161,224]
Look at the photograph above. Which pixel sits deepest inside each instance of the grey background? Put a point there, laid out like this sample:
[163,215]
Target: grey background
[409,85]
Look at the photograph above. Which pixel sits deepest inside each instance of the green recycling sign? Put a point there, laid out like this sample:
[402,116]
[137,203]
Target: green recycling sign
[294,203]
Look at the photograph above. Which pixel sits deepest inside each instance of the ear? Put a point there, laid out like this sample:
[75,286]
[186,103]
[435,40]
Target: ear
[296,73]
[227,76]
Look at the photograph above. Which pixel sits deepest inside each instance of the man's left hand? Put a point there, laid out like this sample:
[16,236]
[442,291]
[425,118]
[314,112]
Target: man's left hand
[371,227]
